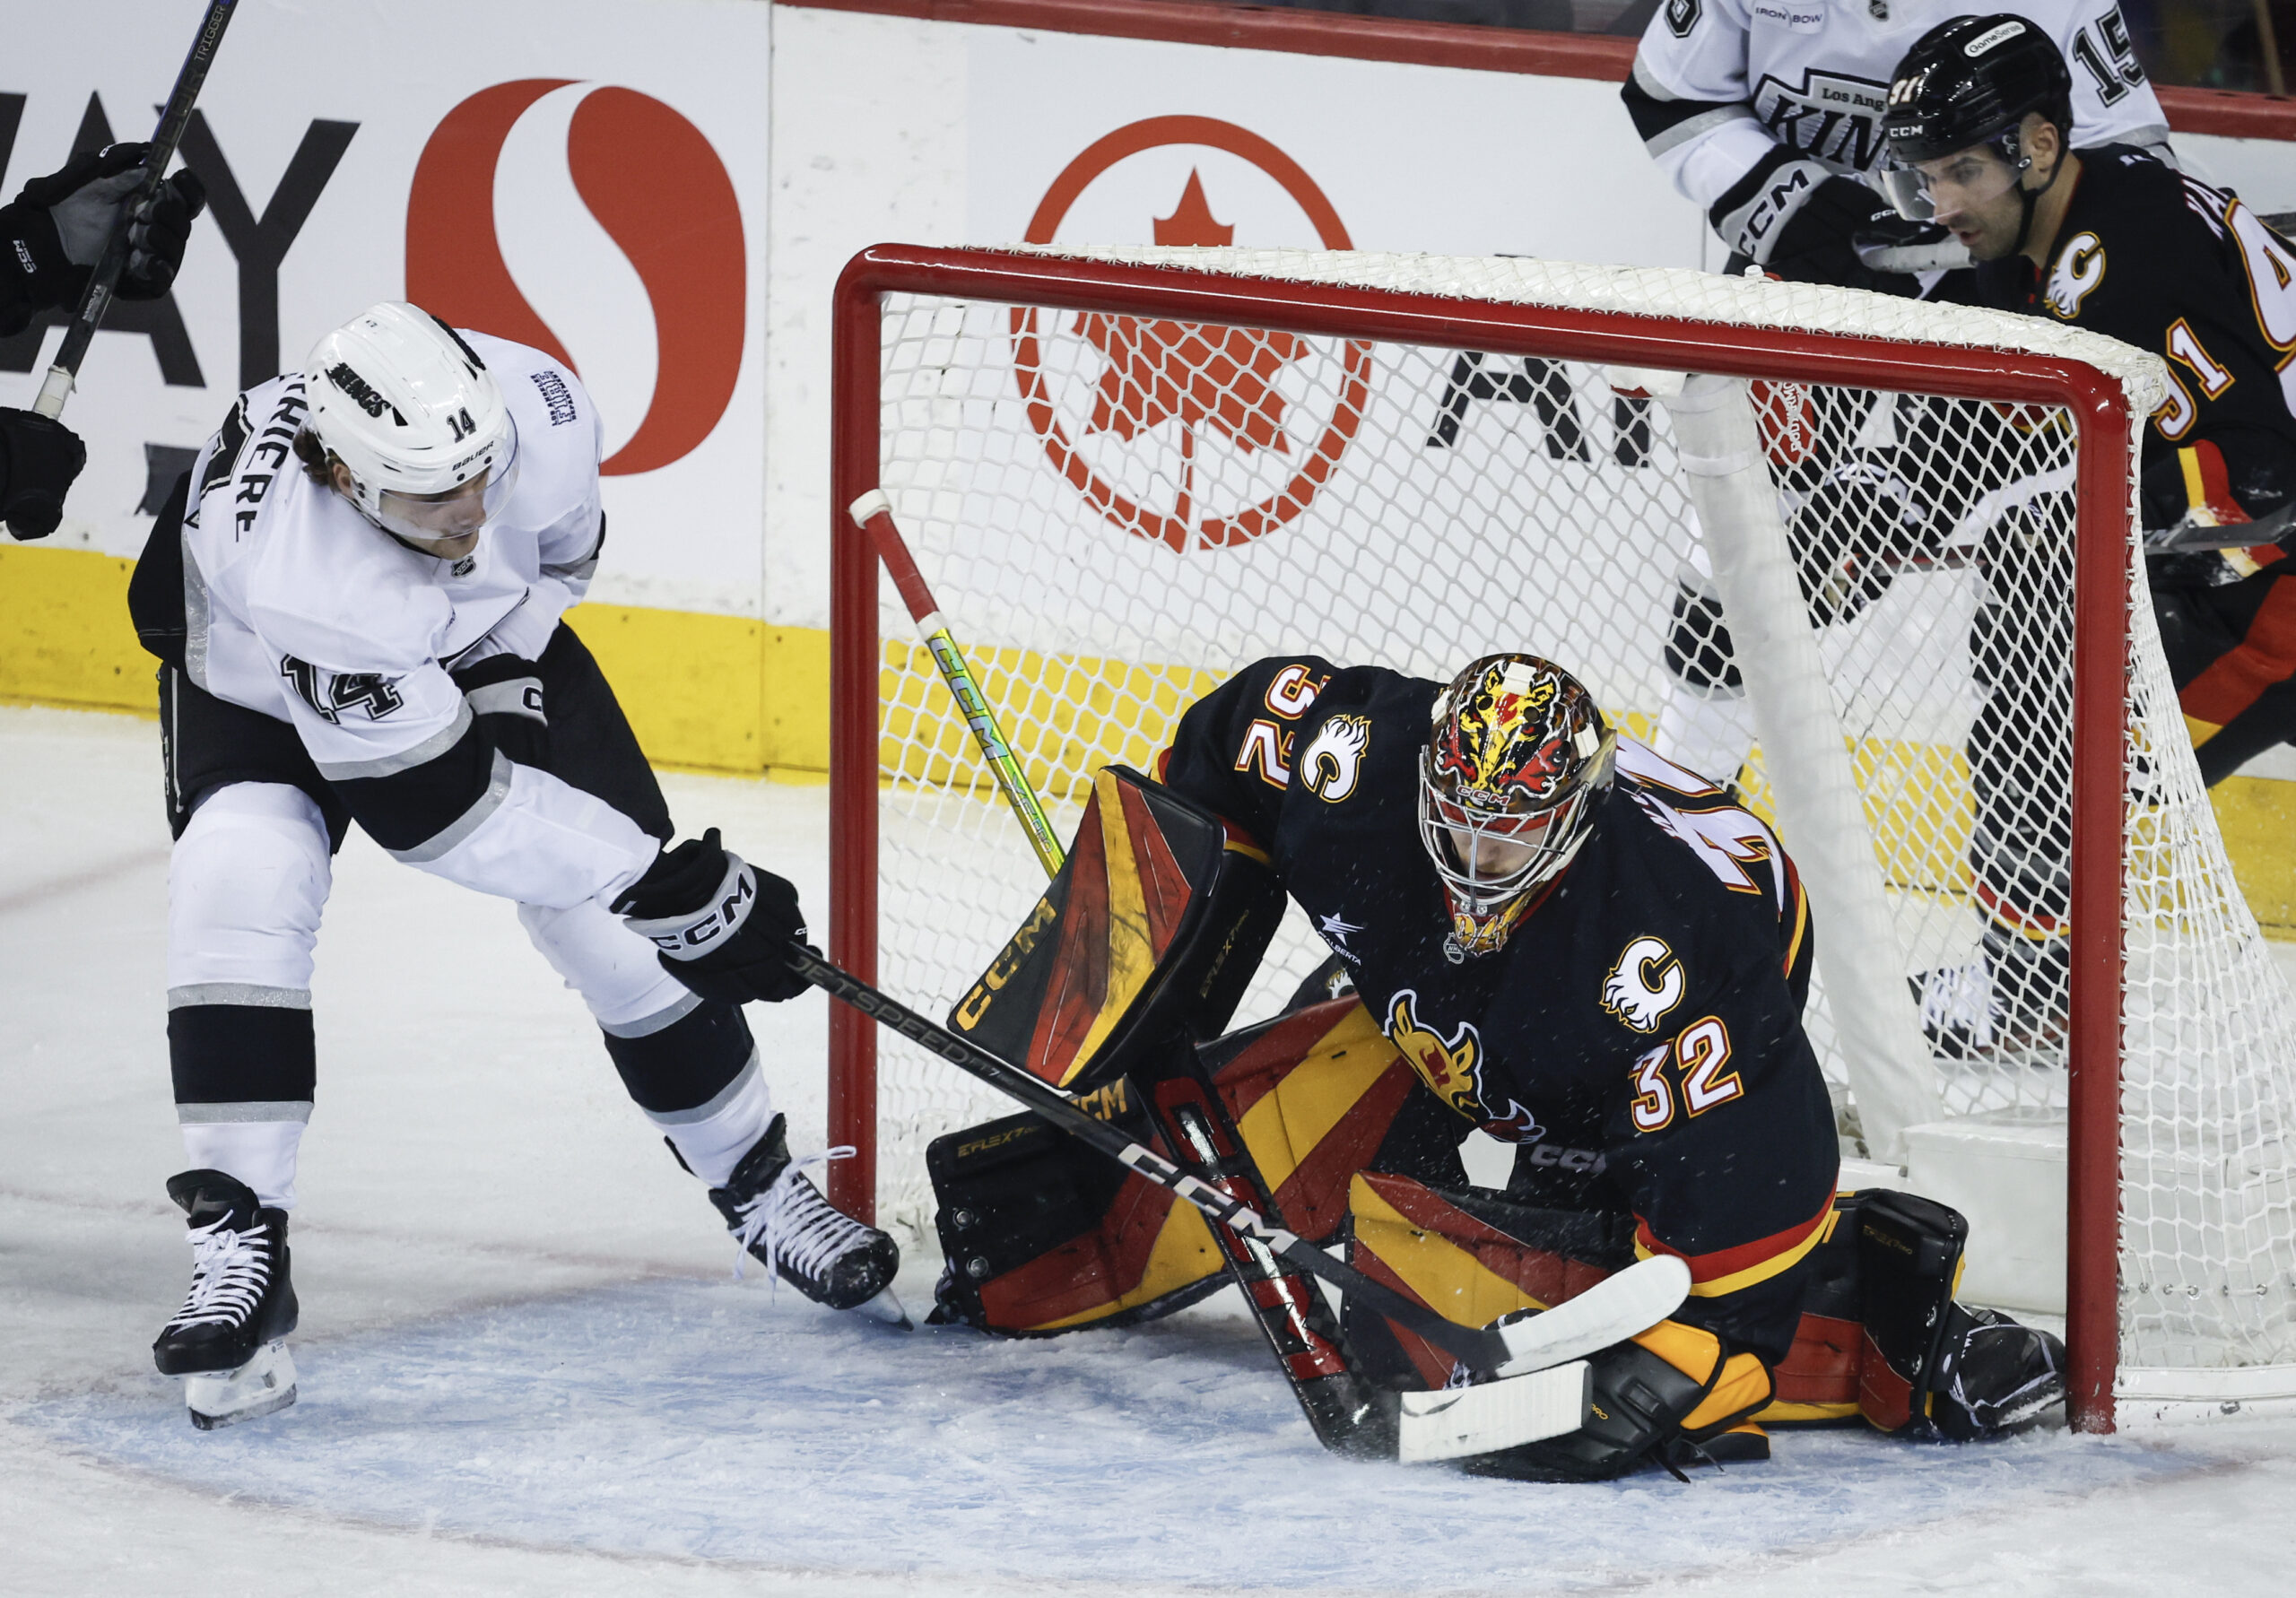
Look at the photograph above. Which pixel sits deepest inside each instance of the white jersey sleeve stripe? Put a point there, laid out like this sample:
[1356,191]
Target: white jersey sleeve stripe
[542,842]
[405,760]
[439,844]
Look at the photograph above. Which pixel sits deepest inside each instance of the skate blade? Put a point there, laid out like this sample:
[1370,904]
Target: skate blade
[887,1309]
[263,1385]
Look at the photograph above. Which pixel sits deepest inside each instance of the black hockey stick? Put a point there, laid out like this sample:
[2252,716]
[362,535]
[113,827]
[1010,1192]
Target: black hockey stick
[1485,1349]
[174,118]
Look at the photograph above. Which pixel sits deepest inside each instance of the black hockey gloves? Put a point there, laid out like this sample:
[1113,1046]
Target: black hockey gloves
[719,921]
[52,235]
[1815,244]
[38,459]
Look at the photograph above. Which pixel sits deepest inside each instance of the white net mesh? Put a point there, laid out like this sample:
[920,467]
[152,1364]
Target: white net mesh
[1115,511]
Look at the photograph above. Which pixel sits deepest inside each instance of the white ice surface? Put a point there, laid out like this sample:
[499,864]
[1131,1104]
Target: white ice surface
[525,1370]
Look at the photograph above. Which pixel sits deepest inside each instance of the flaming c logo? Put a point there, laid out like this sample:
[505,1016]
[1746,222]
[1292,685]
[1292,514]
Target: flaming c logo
[657,189]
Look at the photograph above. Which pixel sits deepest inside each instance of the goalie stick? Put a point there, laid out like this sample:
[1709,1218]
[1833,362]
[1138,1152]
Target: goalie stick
[1515,1348]
[174,118]
[1347,1414]
[872,513]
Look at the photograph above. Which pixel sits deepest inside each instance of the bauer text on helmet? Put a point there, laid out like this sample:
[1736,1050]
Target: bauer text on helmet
[1517,759]
[414,426]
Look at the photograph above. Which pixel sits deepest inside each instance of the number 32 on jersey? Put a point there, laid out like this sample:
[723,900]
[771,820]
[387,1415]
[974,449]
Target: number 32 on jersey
[1689,1071]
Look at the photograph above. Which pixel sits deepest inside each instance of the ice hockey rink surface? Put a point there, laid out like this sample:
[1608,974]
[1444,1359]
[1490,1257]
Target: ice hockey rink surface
[525,1367]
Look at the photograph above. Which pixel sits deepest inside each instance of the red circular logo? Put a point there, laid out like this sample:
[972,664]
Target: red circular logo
[1224,382]
[657,189]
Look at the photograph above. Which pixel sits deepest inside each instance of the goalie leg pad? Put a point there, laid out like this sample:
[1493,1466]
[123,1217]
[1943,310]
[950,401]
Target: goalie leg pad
[1470,1256]
[1042,1234]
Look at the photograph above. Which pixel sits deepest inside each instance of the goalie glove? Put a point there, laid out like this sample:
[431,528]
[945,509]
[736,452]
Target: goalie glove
[721,926]
[1675,1381]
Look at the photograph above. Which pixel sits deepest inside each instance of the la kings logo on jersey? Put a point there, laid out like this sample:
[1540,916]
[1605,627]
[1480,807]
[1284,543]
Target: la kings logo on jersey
[1834,117]
[1682,16]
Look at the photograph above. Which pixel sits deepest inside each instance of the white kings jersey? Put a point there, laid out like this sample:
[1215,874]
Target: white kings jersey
[296,605]
[1748,105]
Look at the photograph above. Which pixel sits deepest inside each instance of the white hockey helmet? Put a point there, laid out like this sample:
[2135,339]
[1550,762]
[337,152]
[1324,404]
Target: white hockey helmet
[413,414]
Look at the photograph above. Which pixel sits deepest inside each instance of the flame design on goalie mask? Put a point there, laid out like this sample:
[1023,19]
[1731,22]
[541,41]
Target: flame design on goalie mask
[1518,757]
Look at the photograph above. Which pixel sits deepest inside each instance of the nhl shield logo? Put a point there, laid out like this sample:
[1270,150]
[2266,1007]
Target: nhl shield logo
[1191,436]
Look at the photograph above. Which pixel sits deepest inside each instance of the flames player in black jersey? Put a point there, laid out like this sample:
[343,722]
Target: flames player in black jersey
[1573,942]
[1981,138]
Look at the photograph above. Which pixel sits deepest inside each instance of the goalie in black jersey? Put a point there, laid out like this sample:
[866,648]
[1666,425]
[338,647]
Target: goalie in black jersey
[1552,934]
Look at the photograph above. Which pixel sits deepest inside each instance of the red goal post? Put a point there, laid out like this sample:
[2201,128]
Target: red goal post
[2096,401]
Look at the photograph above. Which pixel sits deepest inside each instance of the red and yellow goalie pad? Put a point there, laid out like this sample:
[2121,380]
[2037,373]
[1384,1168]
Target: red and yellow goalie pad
[1151,932]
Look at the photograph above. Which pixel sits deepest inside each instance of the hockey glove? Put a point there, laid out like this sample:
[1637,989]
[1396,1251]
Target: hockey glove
[1857,526]
[1889,243]
[2191,499]
[720,924]
[78,206]
[1815,245]
[38,459]
[1673,1381]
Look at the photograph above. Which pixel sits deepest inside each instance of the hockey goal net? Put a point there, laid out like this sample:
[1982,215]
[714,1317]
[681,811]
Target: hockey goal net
[1125,473]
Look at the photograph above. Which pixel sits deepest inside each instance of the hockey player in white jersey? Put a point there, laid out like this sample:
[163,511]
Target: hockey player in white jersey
[357,592]
[1767,113]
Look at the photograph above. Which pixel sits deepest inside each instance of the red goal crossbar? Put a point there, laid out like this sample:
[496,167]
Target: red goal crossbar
[2101,590]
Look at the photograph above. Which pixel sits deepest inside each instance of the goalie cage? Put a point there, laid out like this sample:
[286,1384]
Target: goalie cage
[1127,473]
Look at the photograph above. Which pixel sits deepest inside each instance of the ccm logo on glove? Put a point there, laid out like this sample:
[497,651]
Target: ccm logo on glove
[721,918]
[723,928]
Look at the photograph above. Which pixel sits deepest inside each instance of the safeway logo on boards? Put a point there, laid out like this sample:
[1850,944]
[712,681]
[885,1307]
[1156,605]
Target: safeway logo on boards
[1189,436]
[652,181]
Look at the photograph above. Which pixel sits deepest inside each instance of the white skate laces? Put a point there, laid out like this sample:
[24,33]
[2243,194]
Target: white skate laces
[791,1224]
[230,1269]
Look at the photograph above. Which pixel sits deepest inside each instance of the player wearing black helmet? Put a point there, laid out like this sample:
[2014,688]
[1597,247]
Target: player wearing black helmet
[1982,141]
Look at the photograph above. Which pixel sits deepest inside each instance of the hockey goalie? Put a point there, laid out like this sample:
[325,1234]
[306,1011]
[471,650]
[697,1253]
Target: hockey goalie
[1540,929]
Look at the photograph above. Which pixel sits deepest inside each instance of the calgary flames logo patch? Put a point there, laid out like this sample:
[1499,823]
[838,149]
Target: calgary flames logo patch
[1453,1068]
[1645,983]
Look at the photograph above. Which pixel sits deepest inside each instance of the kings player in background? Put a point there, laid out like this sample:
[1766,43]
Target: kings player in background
[358,596]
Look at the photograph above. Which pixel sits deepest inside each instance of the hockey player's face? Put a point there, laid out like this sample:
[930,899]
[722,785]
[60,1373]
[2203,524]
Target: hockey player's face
[444,524]
[1488,859]
[1974,192]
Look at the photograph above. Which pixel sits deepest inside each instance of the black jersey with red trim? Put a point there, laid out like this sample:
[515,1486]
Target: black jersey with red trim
[2158,259]
[1648,1007]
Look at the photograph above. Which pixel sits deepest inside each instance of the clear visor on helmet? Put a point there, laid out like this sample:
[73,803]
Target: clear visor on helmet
[1488,857]
[1927,190]
[456,516]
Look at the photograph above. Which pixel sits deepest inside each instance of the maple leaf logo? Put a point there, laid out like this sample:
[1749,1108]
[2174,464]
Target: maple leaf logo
[1219,378]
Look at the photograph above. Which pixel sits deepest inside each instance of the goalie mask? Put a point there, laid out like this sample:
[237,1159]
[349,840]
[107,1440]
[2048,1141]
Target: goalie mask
[1517,757]
[419,422]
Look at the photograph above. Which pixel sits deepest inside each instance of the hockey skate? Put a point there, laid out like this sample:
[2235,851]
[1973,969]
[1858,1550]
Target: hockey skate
[777,1215]
[229,1340]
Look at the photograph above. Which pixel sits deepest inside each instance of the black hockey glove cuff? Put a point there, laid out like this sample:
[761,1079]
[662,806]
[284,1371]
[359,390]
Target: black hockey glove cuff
[1815,244]
[722,926]
[38,459]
